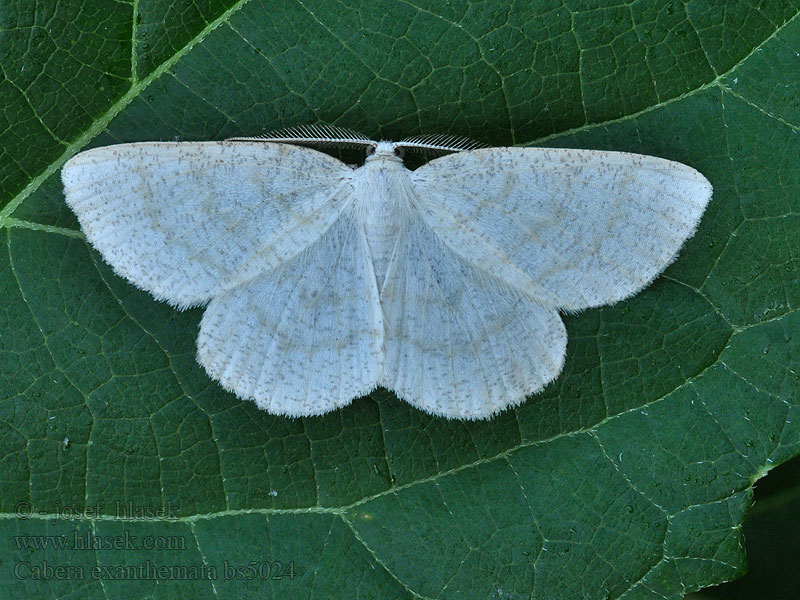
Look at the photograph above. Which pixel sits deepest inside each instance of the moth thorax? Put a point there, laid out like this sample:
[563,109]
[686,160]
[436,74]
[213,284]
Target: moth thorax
[383,210]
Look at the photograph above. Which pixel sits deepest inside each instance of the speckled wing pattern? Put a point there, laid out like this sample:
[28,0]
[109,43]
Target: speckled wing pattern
[460,342]
[507,237]
[495,242]
[570,228]
[187,220]
[302,339]
[293,321]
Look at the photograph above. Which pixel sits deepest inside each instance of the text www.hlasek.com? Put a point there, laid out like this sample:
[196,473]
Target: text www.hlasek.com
[89,541]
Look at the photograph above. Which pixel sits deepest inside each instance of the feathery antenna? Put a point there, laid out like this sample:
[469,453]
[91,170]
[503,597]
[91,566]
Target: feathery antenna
[440,143]
[312,135]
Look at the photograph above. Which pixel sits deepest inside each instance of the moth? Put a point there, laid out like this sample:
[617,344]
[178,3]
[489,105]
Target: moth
[323,281]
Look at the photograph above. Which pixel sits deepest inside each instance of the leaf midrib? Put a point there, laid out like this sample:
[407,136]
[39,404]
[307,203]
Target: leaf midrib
[97,126]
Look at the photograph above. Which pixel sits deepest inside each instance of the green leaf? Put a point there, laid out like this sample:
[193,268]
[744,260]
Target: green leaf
[628,477]
[771,530]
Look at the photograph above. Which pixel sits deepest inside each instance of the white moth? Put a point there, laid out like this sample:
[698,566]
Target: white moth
[323,281]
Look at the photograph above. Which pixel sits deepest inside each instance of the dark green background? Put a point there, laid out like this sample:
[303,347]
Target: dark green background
[628,477]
